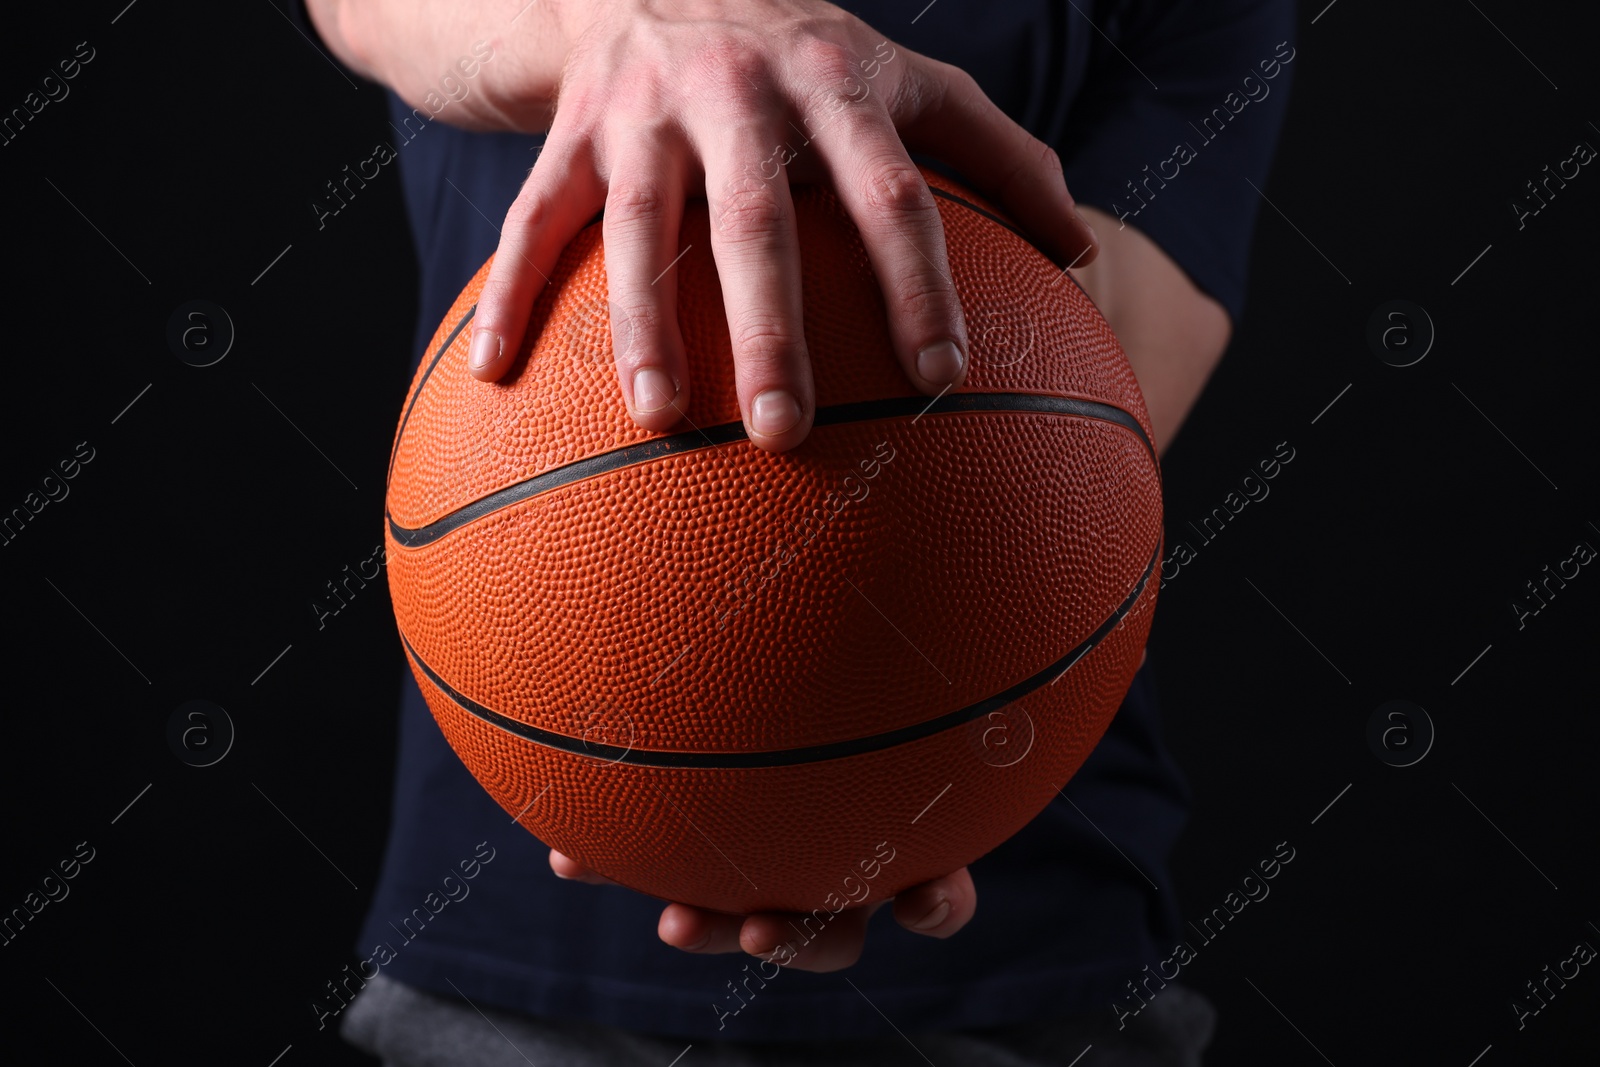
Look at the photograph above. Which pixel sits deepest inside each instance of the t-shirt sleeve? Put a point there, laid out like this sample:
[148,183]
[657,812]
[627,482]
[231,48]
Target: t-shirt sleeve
[1175,121]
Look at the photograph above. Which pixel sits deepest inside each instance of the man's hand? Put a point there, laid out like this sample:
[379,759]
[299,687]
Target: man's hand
[659,100]
[938,909]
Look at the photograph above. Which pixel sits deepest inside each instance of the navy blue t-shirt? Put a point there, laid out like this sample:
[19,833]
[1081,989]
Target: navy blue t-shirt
[1163,114]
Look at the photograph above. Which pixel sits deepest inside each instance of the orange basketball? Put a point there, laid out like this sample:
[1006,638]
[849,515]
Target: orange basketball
[798,681]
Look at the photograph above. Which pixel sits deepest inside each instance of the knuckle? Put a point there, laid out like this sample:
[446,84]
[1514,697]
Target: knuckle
[730,65]
[636,327]
[636,199]
[912,88]
[1049,159]
[642,315]
[897,189]
[768,341]
[751,212]
[929,85]
[827,61]
[578,106]
[639,96]
[953,79]
[529,211]
[925,295]
[746,181]
[836,99]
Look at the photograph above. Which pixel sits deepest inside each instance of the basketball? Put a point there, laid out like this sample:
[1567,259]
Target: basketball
[757,681]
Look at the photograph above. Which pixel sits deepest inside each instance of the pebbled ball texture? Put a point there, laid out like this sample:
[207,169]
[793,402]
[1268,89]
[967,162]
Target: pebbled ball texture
[711,598]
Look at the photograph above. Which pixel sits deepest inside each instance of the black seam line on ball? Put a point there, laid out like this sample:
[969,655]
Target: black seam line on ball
[789,757]
[970,206]
[727,433]
[437,356]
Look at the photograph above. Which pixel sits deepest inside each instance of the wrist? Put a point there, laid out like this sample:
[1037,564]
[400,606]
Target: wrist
[530,46]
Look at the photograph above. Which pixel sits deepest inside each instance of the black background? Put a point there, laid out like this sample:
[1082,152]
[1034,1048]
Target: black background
[1386,558]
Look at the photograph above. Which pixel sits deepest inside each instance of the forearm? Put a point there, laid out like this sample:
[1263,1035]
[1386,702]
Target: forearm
[1172,333]
[423,47]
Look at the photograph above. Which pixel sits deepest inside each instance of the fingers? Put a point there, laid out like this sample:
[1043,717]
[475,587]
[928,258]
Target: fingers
[573,871]
[938,908]
[558,199]
[961,125]
[882,190]
[831,948]
[813,947]
[698,930]
[799,941]
[758,261]
[644,209]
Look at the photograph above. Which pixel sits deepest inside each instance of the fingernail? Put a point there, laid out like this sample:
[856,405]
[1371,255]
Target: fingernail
[652,389]
[485,349]
[940,362]
[773,412]
[939,914]
[698,945]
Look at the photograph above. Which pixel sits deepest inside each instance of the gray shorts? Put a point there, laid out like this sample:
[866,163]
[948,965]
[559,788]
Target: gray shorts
[406,1027]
